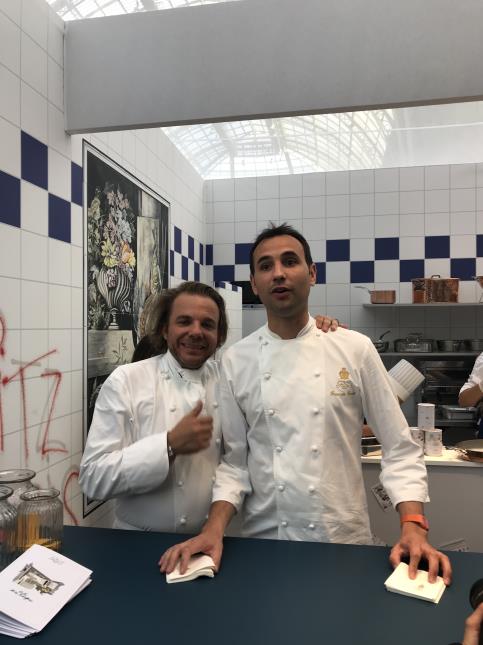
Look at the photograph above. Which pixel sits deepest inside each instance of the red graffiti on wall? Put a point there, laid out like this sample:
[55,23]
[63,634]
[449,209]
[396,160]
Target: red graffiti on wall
[21,374]
[73,475]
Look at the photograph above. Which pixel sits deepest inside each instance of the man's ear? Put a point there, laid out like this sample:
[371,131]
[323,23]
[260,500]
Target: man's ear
[164,333]
[313,274]
[252,282]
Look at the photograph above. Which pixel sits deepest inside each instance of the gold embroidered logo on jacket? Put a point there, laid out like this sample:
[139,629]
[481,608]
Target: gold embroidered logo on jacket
[344,385]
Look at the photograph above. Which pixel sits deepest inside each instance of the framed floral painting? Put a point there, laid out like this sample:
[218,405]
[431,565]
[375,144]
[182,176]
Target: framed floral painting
[126,251]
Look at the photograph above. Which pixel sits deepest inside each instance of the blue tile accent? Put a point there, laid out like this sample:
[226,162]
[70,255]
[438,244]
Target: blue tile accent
[463,268]
[10,199]
[338,250]
[436,246]
[320,266]
[34,161]
[184,267]
[209,255]
[479,246]
[202,259]
[362,271]
[177,239]
[197,272]
[223,273]
[76,173]
[191,248]
[409,269]
[386,248]
[171,262]
[242,253]
[59,218]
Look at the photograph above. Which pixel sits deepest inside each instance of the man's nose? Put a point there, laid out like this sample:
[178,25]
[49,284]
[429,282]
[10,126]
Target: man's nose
[279,271]
[195,328]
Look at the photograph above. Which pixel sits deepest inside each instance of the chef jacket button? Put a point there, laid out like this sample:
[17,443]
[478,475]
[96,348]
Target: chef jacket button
[311,489]
[317,374]
[311,526]
[267,375]
[314,449]
[172,408]
[167,377]
[183,519]
[218,441]
[215,404]
[315,410]
[271,412]
[181,482]
[281,487]
[278,448]
[265,342]
[284,523]
[317,333]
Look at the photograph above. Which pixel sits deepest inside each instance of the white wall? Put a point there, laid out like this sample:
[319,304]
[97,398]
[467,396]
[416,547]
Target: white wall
[41,278]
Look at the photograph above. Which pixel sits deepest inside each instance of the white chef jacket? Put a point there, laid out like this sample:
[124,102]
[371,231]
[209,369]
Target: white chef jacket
[126,452]
[291,414]
[474,378]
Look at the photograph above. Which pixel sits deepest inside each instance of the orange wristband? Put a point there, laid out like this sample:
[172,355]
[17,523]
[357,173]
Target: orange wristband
[417,519]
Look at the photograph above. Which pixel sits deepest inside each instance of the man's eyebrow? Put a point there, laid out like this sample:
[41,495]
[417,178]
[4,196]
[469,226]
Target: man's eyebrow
[264,258]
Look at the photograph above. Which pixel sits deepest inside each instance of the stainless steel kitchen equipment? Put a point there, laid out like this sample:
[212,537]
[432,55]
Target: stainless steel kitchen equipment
[449,345]
[457,412]
[474,344]
[382,345]
[413,343]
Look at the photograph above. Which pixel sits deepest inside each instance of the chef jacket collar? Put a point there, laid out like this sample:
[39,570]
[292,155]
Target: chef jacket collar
[178,372]
[265,331]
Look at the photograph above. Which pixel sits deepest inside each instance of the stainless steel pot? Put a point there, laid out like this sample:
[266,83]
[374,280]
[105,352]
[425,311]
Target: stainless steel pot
[457,412]
[413,343]
[382,345]
[449,345]
[474,344]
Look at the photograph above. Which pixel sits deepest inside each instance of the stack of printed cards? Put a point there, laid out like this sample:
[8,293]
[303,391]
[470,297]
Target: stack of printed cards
[35,587]
[199,565]
[420,587]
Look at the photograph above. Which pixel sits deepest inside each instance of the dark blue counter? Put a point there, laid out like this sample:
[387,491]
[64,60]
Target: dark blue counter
[267,593]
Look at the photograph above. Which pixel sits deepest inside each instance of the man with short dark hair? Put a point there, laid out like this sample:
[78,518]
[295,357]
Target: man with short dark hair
[292,405]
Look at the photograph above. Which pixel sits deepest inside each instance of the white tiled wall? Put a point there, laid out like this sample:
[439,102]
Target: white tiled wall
[406,203]
[41,278]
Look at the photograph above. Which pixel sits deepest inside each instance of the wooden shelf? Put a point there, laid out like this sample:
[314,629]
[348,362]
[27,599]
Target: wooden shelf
[406,305]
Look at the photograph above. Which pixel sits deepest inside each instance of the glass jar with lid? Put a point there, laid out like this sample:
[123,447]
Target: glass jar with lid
[8,521]
[19,480]
[40,519]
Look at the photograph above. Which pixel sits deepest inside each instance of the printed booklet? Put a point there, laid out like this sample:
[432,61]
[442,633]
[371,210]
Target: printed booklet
[35,587]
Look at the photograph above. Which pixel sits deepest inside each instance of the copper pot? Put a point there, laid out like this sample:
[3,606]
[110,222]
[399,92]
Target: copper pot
[380,296]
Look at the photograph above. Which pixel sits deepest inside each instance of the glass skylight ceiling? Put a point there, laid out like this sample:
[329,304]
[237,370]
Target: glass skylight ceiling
[77,9]
[284,146]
